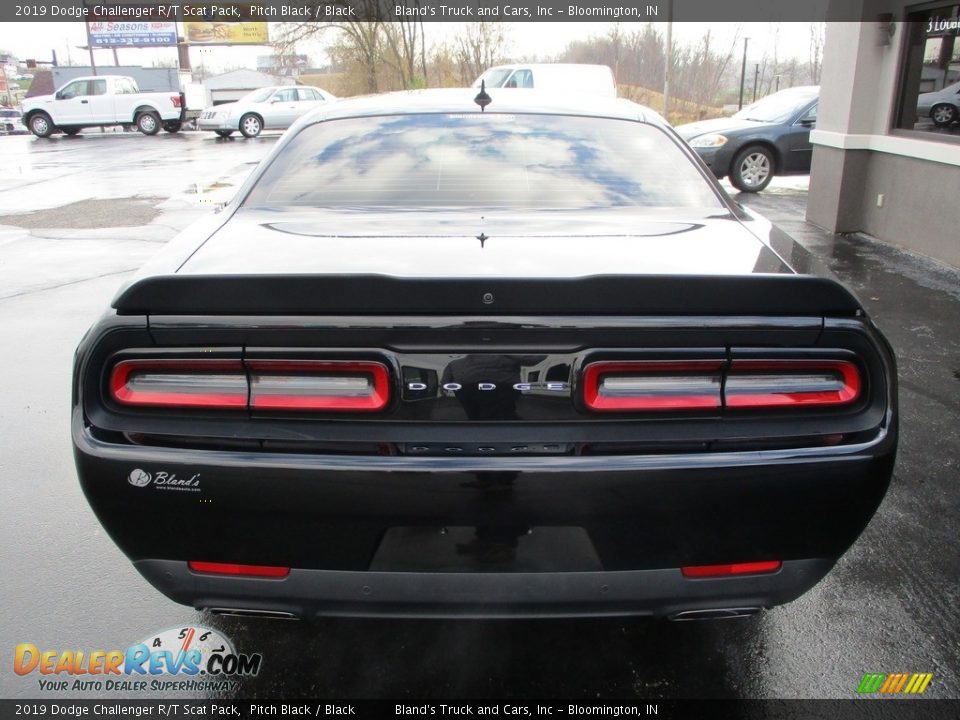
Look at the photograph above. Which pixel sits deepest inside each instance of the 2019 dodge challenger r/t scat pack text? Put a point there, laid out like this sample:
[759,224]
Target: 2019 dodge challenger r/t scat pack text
[445,356]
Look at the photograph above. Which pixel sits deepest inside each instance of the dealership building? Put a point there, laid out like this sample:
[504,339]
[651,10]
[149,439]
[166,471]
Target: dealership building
[881,165]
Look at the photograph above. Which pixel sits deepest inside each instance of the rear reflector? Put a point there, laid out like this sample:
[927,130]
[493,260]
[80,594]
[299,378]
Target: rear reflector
[212,568]
[180,383]
[750,568]
[311,385]
[652,385]
[336,386]
[789,383]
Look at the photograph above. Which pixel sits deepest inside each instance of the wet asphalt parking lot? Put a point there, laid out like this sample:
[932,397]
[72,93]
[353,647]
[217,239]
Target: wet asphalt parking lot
[77,215]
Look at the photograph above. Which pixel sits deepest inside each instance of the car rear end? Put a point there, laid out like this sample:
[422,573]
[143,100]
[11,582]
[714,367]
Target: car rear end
[594,413]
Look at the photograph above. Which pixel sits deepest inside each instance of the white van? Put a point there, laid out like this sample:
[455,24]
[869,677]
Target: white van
[593,79]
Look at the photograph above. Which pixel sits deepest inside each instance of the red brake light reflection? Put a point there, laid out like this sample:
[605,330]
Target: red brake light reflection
[731,569]
[213,568]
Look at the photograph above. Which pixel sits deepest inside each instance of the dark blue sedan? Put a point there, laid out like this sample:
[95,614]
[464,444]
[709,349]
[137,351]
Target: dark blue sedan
[770,137]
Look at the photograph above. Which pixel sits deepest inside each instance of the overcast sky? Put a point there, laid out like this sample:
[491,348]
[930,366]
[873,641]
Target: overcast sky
[36,40]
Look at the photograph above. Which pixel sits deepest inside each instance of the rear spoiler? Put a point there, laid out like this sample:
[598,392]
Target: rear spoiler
[389,295]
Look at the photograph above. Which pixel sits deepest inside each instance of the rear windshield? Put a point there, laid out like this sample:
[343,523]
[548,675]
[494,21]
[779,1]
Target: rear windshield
[482,160]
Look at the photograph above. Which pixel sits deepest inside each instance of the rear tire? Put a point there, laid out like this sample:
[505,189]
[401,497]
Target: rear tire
[752,169]
[41,125]
[224,133]
[251,125]
[943,114]
[172,126]
[148,123]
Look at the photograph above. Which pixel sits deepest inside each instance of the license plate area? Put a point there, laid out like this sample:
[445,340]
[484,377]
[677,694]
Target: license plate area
[486,449]
[486,548]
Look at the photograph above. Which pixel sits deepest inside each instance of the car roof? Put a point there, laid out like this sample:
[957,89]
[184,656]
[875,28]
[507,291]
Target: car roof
[547,65]
[99,77]
[461,100]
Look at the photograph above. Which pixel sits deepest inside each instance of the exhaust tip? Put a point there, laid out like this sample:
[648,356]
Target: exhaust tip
[715,614]
[253,613]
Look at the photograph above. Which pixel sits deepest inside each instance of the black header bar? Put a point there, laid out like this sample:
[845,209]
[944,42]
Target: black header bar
[522,709]
[323,11]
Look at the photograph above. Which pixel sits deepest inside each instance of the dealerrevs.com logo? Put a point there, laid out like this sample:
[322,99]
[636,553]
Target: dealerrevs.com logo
[894,683]
[194,659]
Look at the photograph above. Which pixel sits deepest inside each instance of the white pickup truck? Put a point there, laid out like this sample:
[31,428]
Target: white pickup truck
[103,100]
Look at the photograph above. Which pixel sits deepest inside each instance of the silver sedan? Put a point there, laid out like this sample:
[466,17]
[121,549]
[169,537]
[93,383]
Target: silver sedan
[942,106]
[269,108]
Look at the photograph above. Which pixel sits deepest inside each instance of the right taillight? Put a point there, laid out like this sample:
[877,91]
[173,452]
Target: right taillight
[692,385]
[642,385]
[791,383]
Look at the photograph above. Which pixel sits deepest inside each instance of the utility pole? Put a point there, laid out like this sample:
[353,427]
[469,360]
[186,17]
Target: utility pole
[93,65]
[667,67]
[743,72]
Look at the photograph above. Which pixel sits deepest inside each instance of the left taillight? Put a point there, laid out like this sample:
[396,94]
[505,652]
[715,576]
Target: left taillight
[314,385]
[331,386]
[211,384]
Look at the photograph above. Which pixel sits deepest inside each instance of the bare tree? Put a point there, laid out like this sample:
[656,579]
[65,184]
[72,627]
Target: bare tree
[405,42]
[362,42]
[478,46]
[817,36]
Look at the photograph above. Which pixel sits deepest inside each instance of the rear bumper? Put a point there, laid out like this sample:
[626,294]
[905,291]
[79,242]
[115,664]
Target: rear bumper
[311,593]
[483,536]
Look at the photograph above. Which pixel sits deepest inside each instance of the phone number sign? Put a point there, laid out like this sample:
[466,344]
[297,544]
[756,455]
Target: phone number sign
[131,34]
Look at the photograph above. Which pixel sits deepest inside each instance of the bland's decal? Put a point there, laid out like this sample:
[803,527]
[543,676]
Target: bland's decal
[163,480]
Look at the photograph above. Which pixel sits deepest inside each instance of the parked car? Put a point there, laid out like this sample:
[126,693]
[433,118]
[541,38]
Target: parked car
[555,77]
[942,106]
[101,100]
[526,361]
[270,108]
[11,122]
[770,137]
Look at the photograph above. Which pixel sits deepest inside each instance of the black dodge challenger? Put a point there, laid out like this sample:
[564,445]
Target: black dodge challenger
[444,357]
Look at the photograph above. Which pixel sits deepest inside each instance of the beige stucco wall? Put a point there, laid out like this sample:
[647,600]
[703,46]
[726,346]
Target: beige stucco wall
[856,158]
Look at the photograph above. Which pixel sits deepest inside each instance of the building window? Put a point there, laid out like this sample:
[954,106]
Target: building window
[930,84]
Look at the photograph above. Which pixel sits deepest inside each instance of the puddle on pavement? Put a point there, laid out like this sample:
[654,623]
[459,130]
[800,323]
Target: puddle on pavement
[88,214]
